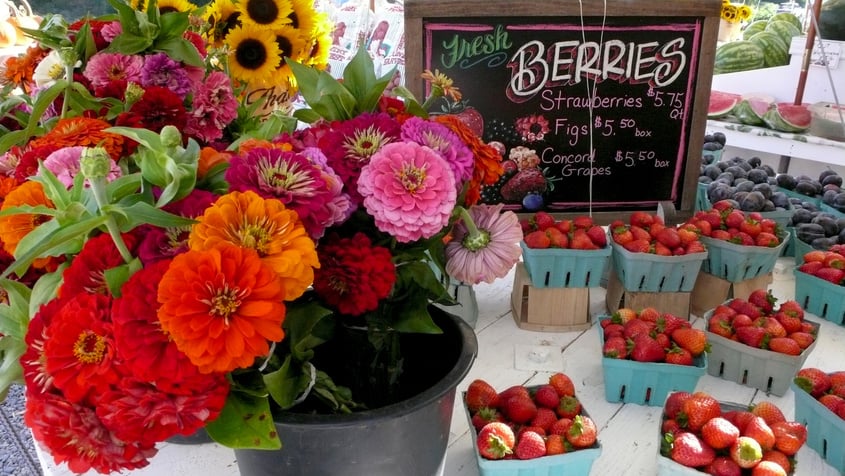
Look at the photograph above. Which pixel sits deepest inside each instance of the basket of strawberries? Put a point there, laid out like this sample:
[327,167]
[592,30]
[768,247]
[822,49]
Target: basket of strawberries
[699,434]
[819,284]
[536,430]
[820,404]
[740,245]
[649,354]
[568,253]
[650,256]
[755,344]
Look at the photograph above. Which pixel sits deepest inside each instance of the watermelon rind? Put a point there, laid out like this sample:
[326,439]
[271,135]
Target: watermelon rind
[784,29]
[775,50]
[751,111]
[753,28]
[786,16]
[736,56]
[787,117]
[721,104]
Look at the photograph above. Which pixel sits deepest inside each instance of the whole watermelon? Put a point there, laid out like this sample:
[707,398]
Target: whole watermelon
[754,28]
[775,50]
[790,17]
[832,20]
[735,56]
[784,29]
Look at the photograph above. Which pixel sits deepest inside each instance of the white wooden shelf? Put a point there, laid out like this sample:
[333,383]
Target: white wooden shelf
[801,146]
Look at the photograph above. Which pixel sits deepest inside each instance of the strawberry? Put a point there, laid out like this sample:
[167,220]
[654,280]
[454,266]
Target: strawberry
[519,409]
[778,457]
[697,410]
[615,348]
[669,236]
[766,239]
[560,427]
[563,384]
[678,356]
[687,233]
[663,340]
[784,345]
[746,452]
[752,336]
[741,320]
[774,327]
[662,250]
[724,206]
[811,267]
[612,329]
[790,436]
[695,247]
[621,235]
[640,233]
[546,396]
[674,403]
[719,433]
[693,340]
[670,426]
[530,446]
[597,235]
[723,466]
[813,381]
[511,391]
[689,450]
[720,325]
[834,260]
[758,429]
[647,349]
[569,407]
[481,394]
[739,418]
[580,240]
[641,219]
[669,322]
[635,327]
[814,256]
[623,315]
[544,419]
[485,415]
[495,440]
[557,238]
[638,246]
[582,433]
[792,307]
[804,339]
[832,275]
[837,378]
[542,220]
[790,322]
[751,226]
[529,428]
[741,306]
[768,411]
[555,445]
[564,225]
[831,401]
[537,240]
[768,468]
[583,222]
[764,299]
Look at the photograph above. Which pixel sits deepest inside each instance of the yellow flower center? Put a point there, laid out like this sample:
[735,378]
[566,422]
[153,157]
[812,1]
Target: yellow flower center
[255,236]
[225,302]
[56,71]
[89,348]
[411,177]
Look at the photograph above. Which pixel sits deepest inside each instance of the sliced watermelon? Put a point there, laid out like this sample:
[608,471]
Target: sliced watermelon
[721,104]
[788,117]
[750,110]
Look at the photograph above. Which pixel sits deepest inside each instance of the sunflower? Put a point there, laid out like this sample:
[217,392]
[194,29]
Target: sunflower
[164,6]
[222,16]
[321,42]
[291,45]
[254,54]
[266,13]
[303,16]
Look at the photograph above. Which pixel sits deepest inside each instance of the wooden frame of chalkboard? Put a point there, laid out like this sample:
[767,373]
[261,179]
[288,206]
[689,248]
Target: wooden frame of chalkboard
[604,102]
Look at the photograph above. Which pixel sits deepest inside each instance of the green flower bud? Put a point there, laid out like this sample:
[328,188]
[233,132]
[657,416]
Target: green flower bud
[134,91]
[68,57]
[171,137]
[95,163]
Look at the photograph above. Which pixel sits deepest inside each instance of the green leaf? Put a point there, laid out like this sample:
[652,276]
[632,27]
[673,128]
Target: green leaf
[10,368]
[180,48]
[123,186]
[359,75]
[326,95]
[285,385]
[139,213]
[127,17]
[14,316]
[53,189]
[307,116]
[46,288]
[117,276]
[44,100]
[303,325]
[415,318]
[245,422]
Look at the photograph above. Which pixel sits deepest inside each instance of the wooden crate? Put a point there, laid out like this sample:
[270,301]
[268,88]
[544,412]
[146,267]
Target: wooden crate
[710,291]
[548,309]
[677,303]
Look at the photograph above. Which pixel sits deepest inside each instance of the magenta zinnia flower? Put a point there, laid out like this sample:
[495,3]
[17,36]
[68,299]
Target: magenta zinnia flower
[160,70]
[443,141]
[484,244]
[163,243]
[103,68]
[409,190]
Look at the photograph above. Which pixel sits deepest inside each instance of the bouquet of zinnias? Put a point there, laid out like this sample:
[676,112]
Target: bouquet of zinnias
[154,289]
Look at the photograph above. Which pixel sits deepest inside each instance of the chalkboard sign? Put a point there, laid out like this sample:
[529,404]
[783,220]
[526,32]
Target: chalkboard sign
[606,111]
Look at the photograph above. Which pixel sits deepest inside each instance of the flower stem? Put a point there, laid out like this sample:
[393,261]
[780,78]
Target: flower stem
[436,93]
[98,186]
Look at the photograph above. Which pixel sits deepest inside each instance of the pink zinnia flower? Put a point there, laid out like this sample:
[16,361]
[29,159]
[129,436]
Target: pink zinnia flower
[103,68]
[409,190]
[214,107]
[484,244]
[111,30]
[443,141]
[64,164]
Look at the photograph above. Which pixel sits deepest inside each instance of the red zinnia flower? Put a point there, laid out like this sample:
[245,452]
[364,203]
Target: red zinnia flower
[354,275]
[74,435]
[33,361]
[86,273]
[160,107]
[79,350]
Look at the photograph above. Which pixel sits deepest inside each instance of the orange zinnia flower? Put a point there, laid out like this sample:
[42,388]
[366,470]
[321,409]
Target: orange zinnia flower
[18,70]
[488,163]
[221,306]
[210,157]
[14,227]
[263,224]
[83,131]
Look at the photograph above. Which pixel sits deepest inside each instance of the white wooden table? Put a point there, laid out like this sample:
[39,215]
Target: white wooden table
[509,356]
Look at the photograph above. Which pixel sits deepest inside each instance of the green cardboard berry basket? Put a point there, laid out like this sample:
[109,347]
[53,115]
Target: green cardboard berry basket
[735,263]
[769,371]
[565,268]
[702,202]
[815,200]
[825,430]
[646,383]
[576,462]
[648,272]
[820,297]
